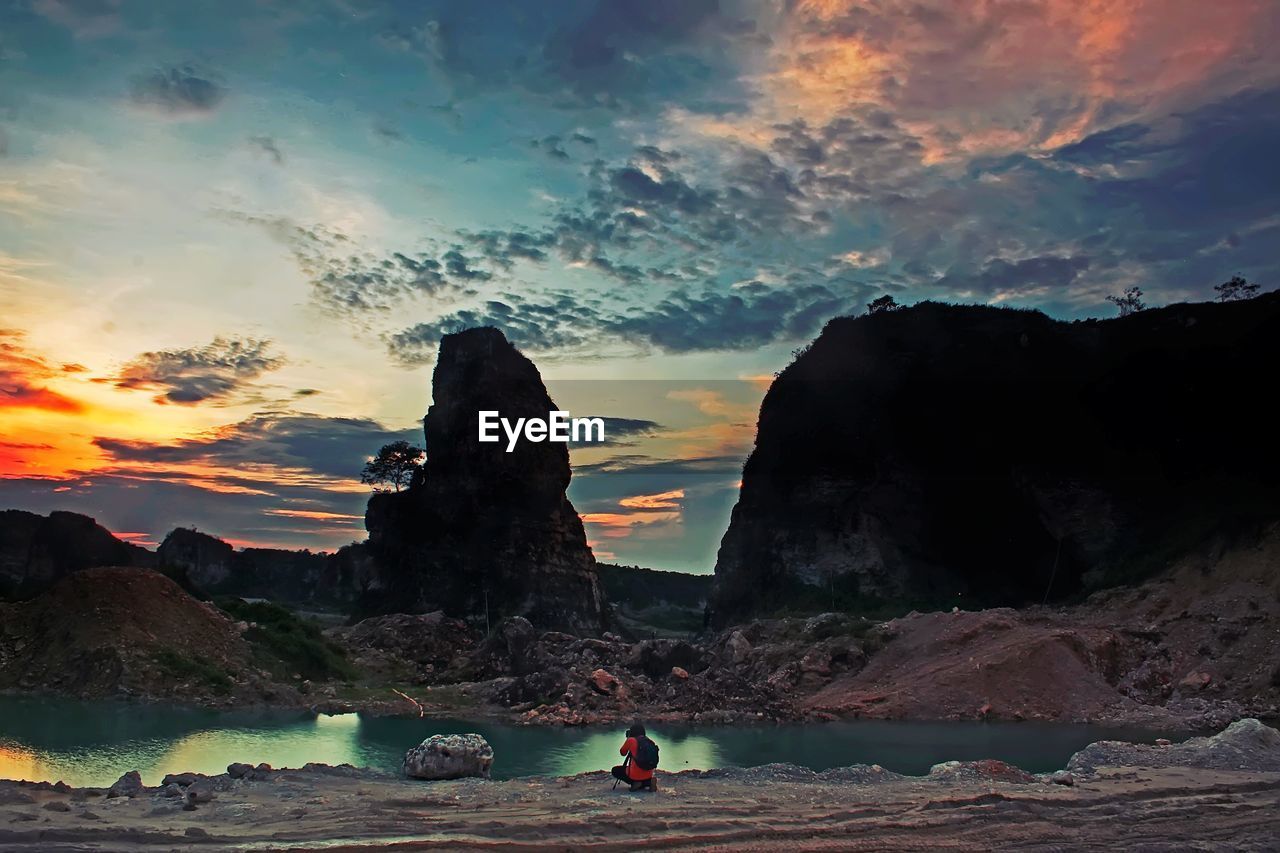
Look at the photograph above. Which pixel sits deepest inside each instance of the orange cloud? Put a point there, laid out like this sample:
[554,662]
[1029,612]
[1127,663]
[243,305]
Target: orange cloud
[314,515]
[663,500]
[999,75]
[594,545]
[713,403]
[762,381]
[22,376]
[618,525]
[143,539]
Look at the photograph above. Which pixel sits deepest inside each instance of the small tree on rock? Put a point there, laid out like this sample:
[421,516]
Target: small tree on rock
[882,303]
[393,467]
[1130,303]
[1237,288]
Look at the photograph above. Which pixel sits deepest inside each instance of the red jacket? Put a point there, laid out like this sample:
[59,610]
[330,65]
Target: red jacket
[635,771]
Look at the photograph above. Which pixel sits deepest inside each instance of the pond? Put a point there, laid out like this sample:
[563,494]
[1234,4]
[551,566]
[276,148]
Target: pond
[93,743]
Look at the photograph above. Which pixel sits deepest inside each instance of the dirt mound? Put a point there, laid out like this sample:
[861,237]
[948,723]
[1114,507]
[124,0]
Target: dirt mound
[124,631]
[1197,647]
[993,663]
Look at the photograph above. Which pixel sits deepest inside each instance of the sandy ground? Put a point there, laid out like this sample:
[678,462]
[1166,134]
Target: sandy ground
[1170,808]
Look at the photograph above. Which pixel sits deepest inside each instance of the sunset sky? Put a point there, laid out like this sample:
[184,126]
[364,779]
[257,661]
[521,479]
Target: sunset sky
[231,233]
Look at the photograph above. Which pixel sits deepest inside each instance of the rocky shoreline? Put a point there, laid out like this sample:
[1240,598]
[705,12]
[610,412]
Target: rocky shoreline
[1215,792]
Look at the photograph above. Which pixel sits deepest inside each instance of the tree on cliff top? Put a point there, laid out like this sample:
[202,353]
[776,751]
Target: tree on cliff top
[393,466]
[1237,288]
[1130,303]
[883,303]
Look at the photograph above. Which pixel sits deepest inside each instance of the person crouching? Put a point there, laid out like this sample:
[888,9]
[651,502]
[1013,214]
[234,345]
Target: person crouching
[640,759]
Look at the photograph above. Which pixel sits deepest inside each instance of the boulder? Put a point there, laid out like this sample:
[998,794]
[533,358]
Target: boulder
[128,785]
[604,683]
[201,791]
[449,757]
[655,658]
[986,770]
[1195,681]
[182,779]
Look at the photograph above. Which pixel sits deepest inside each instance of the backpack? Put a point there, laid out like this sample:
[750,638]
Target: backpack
[646,753]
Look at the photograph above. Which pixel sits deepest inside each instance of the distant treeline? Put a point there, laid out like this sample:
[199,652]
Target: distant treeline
[639,588]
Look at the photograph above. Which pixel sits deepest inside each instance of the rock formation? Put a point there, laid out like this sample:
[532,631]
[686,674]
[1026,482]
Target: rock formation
[37,550]
[212,566]
[483,533]
[980,456]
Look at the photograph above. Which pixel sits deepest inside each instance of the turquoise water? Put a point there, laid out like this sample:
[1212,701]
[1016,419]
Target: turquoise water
[92,743]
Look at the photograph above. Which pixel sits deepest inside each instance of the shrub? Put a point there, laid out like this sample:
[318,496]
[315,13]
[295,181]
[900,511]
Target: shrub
[179,666]
[286,644]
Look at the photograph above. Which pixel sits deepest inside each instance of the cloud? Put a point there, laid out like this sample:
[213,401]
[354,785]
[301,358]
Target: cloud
[23,378]
[268,147]
[140,501]
[349,282]
[86,19]
[687,320]
[215,372]
[662,500]
[560,324]
[618,525]
[1007,278]
[1007,75]
[324,446]
[625,55]
[622,432]
[177,92]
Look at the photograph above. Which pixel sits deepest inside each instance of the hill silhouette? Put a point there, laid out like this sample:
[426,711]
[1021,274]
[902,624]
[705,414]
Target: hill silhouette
[982,456]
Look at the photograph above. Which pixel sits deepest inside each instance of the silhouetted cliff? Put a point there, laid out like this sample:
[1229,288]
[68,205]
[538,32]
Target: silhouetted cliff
[481,532]
[978,455]
[211,566]
[37,550]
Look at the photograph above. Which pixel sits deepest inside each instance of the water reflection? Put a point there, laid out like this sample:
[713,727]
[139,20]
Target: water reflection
[596,750]
[87,743]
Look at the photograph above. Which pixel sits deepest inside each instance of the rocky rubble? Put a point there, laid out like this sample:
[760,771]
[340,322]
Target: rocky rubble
[748,673]
[428,648]
[1244,745]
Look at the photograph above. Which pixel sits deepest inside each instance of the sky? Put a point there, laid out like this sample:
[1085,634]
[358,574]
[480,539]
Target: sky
[232,233]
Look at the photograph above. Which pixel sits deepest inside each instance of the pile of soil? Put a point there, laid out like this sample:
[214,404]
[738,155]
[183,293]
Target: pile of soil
[126,632]
[1196,647]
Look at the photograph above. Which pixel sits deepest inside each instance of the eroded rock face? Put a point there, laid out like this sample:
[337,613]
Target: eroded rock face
[482,533]
[37,550]
[449,757]
[213,566]
[945,454]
